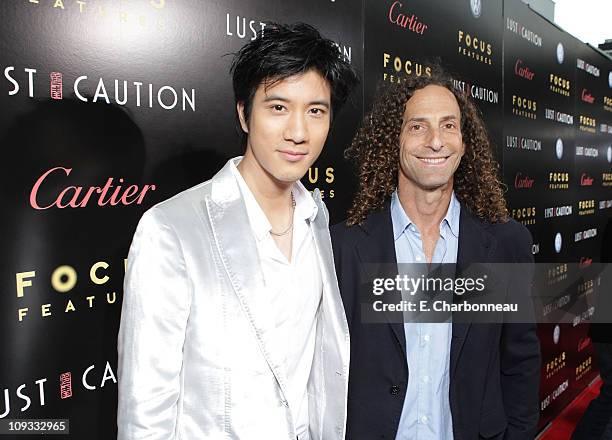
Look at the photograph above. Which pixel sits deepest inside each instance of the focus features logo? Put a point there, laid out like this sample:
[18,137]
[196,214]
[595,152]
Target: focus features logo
[555,365]
[558,180]
[556,274]
[524,107]
[473,47]
[402,66]
[325,178]
[586,207]
[63,280]
[586,287]
[145,14]
[559,85]
[584,367]
[587,124]
[525,216]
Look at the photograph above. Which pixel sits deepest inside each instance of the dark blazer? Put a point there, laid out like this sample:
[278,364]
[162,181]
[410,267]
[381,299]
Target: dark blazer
[494,368]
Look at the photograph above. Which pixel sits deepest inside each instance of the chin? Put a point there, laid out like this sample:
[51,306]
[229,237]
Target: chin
[433,184]
[288,177]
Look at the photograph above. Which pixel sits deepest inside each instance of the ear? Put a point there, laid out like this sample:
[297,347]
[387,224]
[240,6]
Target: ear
[243,122]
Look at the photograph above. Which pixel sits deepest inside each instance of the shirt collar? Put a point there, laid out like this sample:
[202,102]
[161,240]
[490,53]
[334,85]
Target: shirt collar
[305,206]
[398,217]
[453,214]
[401,220]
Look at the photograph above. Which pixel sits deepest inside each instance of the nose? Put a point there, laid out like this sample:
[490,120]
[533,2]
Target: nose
[434,140]
[296,129]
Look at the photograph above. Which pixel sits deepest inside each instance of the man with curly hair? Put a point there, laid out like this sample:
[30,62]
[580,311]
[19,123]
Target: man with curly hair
[429,192]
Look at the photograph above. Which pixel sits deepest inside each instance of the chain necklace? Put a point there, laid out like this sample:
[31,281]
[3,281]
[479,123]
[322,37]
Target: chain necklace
[286,231]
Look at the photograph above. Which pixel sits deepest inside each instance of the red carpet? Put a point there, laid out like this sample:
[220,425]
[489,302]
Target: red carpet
[563,426]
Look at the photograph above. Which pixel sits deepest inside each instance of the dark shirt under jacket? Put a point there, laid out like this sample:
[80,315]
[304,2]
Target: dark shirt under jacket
[494,368]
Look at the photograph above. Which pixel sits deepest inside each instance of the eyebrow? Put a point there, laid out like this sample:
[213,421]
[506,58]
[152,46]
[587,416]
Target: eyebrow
[443,119]
[269,98]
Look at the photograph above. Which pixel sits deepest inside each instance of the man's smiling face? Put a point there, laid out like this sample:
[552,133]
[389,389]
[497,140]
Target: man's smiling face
[288,125]
[431,145]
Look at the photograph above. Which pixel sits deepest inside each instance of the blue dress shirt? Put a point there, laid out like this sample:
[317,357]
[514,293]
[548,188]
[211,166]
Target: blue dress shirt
[426,413]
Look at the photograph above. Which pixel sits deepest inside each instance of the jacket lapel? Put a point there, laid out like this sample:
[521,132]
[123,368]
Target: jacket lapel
[378,248]
[329,374]
[320,230]
[238,252]
[476,245]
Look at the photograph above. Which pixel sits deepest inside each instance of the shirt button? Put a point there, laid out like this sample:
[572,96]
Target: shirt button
[426,338]
[395,389]
[424,419]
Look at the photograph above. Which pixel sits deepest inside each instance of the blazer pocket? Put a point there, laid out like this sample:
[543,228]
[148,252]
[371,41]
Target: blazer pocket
[493,424]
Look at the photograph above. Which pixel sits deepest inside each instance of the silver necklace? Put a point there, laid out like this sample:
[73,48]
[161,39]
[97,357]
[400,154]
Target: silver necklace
[286,231]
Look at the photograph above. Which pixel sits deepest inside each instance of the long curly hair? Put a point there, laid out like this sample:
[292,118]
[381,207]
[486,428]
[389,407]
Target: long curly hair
[376,146]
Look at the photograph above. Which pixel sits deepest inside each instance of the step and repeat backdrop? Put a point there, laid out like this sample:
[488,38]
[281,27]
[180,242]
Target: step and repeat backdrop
[110,106]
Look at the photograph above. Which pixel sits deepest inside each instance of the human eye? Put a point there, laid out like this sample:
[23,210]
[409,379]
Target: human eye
[278,108]
[317,111]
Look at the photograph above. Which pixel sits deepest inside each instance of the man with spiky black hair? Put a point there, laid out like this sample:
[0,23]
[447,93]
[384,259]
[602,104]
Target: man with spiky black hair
[232,324]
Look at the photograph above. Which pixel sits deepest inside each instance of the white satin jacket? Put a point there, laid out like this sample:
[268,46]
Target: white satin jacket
[195,358]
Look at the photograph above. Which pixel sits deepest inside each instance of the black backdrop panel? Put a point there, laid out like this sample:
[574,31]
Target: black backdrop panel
[405,38]
[135,98]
